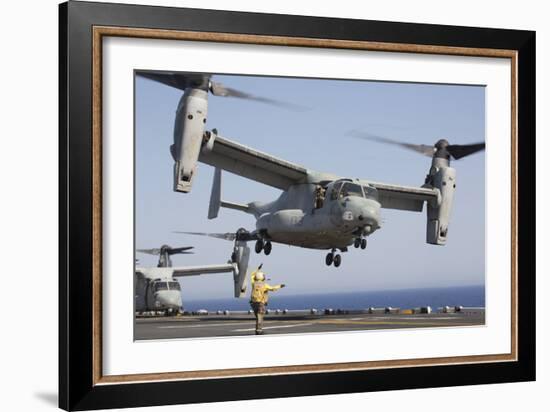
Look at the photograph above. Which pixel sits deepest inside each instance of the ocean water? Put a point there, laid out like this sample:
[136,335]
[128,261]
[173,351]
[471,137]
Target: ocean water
[407,298]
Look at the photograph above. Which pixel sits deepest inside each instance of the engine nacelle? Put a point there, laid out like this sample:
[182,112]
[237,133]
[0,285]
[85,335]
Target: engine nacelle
[241,257]
[441,177]
[188,135]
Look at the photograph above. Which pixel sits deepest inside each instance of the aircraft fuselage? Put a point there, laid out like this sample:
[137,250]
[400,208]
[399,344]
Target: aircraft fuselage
[156,292]
[298,218]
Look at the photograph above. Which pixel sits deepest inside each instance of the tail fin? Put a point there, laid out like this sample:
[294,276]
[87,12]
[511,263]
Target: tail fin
[215,198]
[215,195]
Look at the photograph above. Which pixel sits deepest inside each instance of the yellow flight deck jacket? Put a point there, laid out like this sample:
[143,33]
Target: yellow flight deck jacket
[260,289]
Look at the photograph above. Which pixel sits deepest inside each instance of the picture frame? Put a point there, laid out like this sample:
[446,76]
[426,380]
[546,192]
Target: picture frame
[82,29]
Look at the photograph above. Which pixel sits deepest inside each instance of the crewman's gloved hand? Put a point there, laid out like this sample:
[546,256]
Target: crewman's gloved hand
[283,285]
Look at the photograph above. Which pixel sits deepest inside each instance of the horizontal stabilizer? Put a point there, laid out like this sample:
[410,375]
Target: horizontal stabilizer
[215,198]
[235,206]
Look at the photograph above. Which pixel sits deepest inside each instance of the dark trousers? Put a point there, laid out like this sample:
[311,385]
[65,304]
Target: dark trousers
[259,312]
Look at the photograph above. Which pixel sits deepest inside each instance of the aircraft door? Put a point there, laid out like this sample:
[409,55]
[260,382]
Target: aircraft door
[332,193]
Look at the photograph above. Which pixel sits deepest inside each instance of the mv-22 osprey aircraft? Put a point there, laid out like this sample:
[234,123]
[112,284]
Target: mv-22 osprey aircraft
[157,289]
[316,210]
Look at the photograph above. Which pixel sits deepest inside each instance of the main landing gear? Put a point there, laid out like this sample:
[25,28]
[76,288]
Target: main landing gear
[263,245]
[360,242]
[333,258]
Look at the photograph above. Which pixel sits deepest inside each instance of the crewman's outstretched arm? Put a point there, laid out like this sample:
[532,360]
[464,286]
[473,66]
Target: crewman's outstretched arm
[274,288]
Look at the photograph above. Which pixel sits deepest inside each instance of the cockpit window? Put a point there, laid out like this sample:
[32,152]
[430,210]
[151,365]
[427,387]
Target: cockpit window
[161,286]
[343,189]
[351,189]
[370,192]
[335,190]
[174,286]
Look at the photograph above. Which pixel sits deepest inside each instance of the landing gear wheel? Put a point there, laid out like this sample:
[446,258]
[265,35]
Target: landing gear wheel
[363,243]
[267,248]
[329,258]
[337,260]
[357,242]
[259,246]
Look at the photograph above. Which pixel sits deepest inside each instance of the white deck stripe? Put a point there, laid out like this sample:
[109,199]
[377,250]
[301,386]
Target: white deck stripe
[198,326]
[274,327]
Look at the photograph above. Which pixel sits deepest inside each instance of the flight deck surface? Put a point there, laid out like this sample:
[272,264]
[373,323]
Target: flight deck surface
[204,326]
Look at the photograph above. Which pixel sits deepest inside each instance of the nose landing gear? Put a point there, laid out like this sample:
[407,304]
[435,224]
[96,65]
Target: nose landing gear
[333,258]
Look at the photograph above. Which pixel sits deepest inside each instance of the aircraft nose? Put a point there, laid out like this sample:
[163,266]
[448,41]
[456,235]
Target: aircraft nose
[363,212]
[370,211]
[169,298]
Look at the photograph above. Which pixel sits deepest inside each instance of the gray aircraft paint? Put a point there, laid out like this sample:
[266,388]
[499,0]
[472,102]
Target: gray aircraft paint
[188,131]
[292,218]
[149,298]
[443,178]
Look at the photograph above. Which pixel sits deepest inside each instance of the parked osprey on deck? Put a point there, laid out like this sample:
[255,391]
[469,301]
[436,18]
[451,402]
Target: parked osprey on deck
[158,290]
[315,210]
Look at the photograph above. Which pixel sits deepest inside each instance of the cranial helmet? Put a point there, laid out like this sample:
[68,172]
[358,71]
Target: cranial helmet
[259,276]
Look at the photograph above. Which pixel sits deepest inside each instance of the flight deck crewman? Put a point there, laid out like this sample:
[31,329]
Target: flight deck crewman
[259,296]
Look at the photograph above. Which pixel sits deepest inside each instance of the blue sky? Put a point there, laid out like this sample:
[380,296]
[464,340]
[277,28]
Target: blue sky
[397,255]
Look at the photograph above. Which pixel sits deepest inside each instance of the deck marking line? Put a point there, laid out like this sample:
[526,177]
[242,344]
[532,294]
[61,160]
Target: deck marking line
[273,327]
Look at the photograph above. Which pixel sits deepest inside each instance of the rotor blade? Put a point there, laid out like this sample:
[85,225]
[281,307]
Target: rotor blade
[179,81]
[458,151]
[224,236]
[180,250]
[219,89]
[420,148]
[150,251]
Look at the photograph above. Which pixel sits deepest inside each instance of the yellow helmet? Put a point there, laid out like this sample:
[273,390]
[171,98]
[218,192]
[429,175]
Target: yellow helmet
[259,276]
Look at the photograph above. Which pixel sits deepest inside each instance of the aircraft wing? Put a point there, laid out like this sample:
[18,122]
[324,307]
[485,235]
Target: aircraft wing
[203,270]
[404,197]
[252,164]
[267,169]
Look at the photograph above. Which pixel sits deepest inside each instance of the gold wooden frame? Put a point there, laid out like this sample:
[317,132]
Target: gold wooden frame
[102,31]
